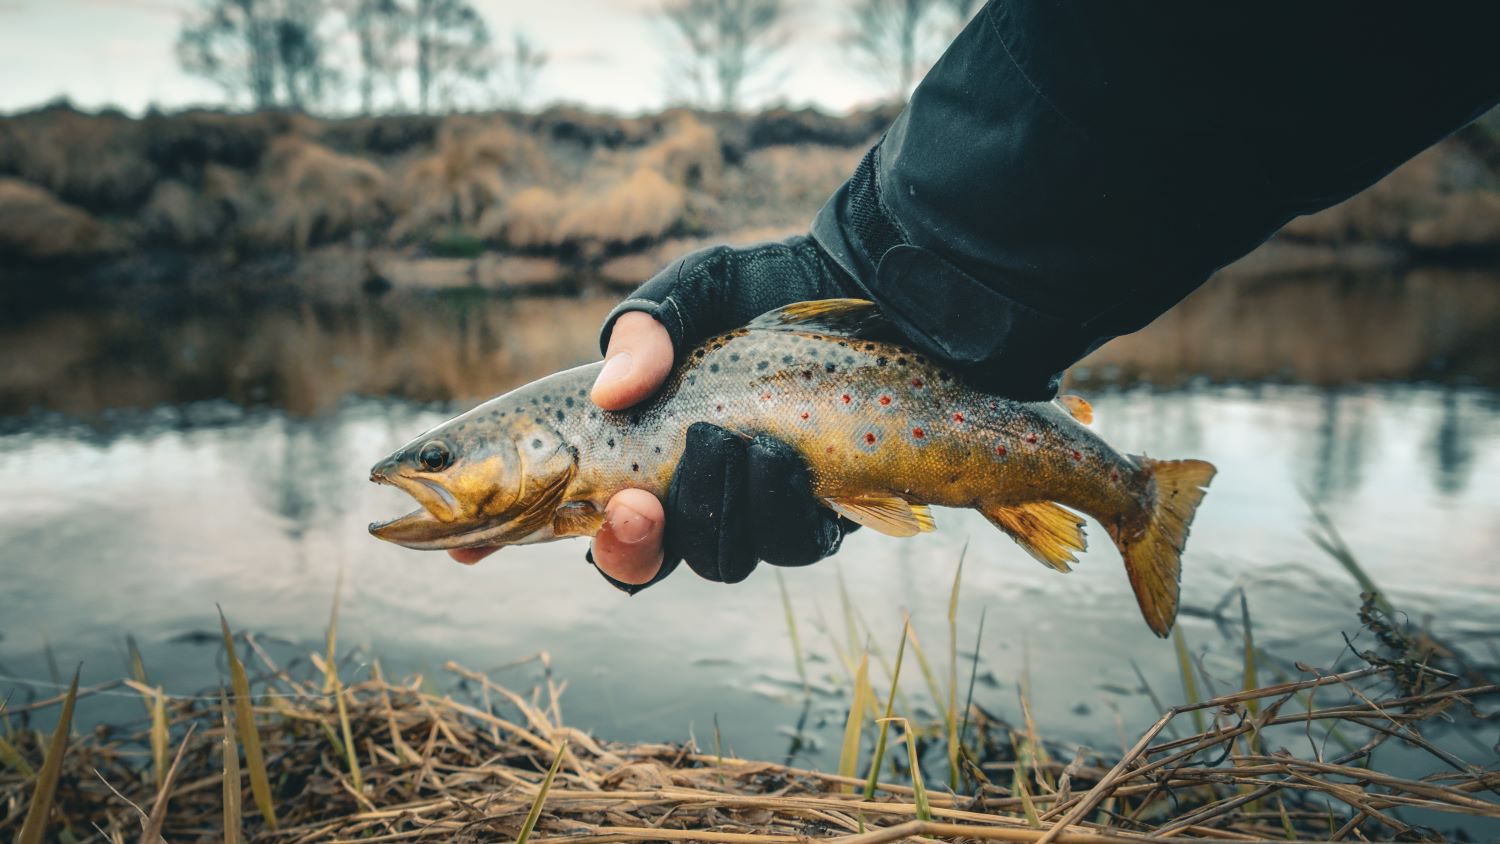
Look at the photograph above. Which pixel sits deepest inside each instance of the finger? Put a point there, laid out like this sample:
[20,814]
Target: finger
[790,526]
[470,556]
[628,545]
[639,358]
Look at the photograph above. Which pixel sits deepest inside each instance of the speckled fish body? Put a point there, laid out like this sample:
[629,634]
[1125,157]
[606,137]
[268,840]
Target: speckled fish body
[885,431]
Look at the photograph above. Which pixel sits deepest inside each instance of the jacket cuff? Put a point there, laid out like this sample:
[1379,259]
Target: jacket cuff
[668,565]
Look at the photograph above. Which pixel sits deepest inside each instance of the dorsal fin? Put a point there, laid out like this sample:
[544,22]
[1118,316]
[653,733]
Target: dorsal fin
[1078,408]
[858,318]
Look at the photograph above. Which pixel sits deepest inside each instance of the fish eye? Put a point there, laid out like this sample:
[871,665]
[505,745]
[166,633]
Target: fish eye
[434,456]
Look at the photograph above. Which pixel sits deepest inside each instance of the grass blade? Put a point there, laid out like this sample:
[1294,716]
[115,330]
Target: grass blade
[1189,678]
[541,795]
[335,687]
[885,722]
[950,718]
[918,787]
[40,807]
[233,813]
[791,628]
[927,676]
[151,834]
[244,719]
[12,758]
[854,726]
[159,736]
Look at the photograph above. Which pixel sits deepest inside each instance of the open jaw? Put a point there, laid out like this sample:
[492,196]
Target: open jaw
[421,530]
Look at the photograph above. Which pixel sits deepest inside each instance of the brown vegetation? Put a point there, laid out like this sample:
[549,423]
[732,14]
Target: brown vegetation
[35,224]
[582,188]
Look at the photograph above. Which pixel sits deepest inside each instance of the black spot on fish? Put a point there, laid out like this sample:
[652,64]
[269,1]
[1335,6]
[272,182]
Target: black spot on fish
[496,414]
[881,361]
[698,353]
[546,398]
[568,401]
[849,360]
[536,443]
[540,421]
[635,467]
[560,416]
[635,419]
[734,357]
[533,402]
[657,449]
[761,367]
[713,367]
[610,442]
[869,347]
[901,361]
[786,358]
[692,379]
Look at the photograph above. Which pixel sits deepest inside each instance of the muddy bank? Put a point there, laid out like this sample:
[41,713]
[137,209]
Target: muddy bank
[517,202]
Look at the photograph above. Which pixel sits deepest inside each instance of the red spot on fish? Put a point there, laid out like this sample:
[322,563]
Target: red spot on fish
[870,438]
[885,401]
[916,382]
[846,398]
[918,433]
[1031,438]
[958,417]
[1114,476]
[1077,455]
[829,449]
[1000,450]
[766,396]
[806,415]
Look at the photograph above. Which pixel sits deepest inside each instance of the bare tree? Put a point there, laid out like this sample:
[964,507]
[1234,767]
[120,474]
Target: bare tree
[521,68]
[379,28]
[726,41]
[893,39]
[273,52]
[453,44]
[232,43]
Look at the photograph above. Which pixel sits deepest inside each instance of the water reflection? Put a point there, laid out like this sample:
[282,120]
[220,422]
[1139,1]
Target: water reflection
[304,357]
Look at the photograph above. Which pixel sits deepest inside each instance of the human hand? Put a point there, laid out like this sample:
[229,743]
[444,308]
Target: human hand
[781,522]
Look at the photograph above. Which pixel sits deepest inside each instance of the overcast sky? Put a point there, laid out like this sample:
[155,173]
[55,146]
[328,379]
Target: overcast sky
[608,54]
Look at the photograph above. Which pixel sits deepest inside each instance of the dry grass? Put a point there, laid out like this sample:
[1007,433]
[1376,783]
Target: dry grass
[688,155]
[36,224]
[468,173]
[316,194]
[485,763]
[527,220]
[644,206]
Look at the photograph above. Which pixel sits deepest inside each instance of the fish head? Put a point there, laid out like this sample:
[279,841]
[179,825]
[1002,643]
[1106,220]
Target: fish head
[480,481]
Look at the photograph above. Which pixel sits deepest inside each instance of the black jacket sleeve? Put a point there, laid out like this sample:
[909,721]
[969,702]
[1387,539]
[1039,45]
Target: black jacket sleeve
[1070,170]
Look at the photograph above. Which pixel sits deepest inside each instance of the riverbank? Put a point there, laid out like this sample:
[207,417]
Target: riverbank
[461,757]
[515,203]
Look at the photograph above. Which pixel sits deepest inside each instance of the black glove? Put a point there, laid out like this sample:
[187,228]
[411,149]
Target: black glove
[735,501]
[713,290]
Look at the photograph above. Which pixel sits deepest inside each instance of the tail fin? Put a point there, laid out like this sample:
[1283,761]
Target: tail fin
[1153,558]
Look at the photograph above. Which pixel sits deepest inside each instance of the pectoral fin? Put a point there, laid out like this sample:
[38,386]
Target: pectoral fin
[577,519]
[890,515]
[1049,532]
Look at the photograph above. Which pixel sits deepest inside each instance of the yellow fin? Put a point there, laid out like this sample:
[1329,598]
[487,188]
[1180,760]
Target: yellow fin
[1153,558]
[889,515]
[1078,407]
[1049,532]
[577,519]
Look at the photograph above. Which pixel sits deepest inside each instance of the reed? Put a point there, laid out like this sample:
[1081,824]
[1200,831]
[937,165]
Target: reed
[39,806]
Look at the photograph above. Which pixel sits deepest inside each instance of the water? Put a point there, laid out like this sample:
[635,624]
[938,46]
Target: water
[157,459]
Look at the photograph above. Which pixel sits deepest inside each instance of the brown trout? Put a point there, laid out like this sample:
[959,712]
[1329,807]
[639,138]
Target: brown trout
[885,431]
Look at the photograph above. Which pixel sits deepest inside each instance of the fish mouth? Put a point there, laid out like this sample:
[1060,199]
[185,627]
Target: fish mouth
[423,531]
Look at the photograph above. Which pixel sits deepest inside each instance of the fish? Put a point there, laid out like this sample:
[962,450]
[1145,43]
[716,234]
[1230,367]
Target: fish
[887,434]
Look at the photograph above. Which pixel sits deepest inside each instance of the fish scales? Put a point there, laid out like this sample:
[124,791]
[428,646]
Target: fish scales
[885,431]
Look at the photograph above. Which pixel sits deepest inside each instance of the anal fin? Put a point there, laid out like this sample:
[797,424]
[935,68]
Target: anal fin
[887,514]
[1049,532]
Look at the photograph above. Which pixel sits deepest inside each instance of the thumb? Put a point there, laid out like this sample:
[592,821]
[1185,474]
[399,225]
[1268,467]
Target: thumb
[638,360]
